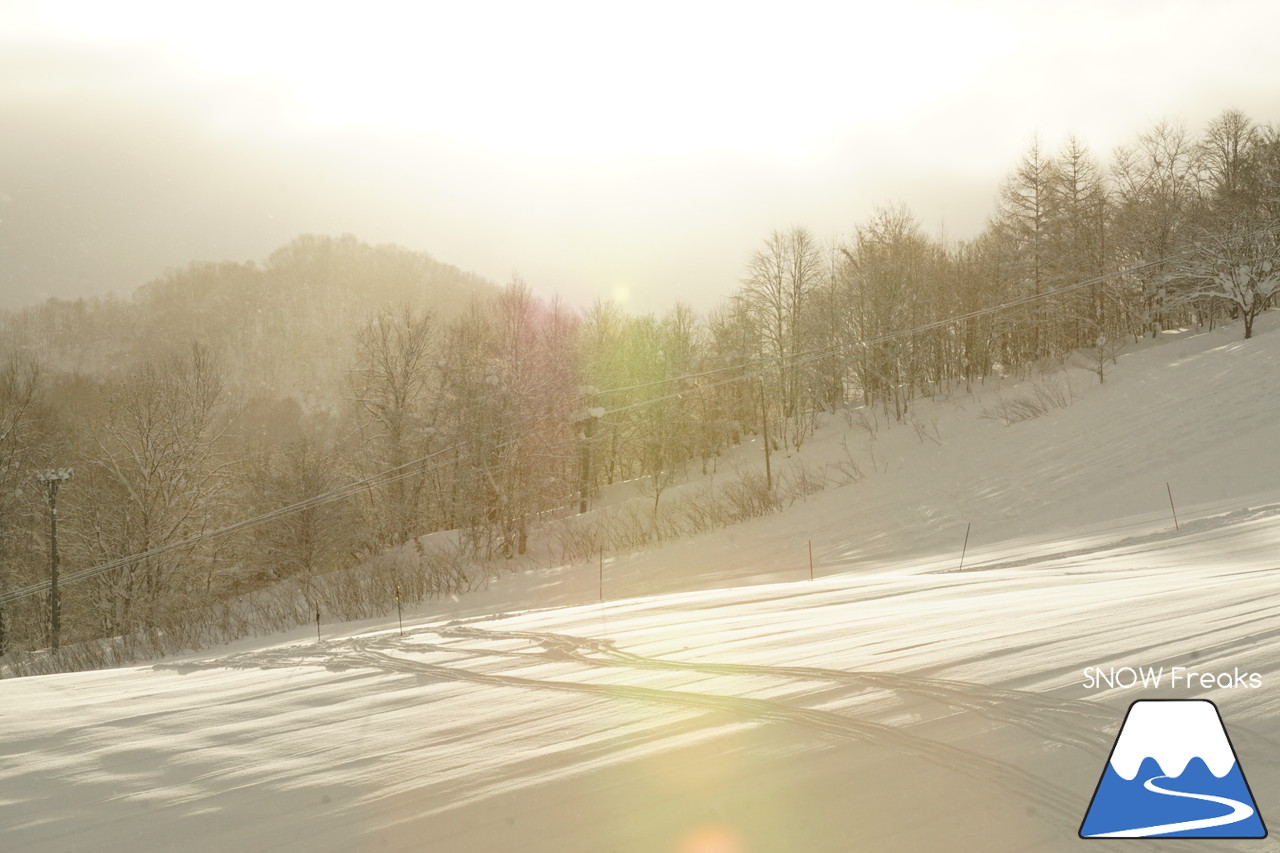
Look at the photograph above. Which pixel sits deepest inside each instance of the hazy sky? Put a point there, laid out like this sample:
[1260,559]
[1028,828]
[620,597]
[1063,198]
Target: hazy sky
[640,153]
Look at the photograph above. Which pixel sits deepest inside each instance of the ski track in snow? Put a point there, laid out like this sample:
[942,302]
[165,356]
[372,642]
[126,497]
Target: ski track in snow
[1022,709]
[1060,722]
[1074,563]
[1187,528]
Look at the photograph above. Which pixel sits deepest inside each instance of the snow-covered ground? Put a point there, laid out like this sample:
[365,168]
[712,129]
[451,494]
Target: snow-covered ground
[720,701]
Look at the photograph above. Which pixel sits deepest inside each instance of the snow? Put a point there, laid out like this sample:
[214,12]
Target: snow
[1172,733]
[719,700]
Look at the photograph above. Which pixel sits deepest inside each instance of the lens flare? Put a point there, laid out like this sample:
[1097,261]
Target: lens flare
[710,839]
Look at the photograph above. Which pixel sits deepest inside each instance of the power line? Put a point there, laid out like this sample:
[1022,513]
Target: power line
[804,357]
[809,355]
[413,467]
[382,478]
[343,492]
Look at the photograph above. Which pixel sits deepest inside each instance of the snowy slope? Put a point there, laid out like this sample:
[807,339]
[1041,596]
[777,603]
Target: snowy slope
[720,701]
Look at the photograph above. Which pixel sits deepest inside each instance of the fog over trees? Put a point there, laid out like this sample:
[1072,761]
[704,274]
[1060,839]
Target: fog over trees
[385,395]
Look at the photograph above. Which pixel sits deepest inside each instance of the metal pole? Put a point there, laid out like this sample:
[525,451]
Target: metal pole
[55,615]
[51,479]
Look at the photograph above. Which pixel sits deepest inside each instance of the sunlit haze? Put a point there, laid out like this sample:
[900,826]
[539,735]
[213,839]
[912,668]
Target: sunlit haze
[636,153]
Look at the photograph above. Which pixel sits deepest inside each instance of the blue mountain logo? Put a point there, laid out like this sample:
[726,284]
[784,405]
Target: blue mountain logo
[1173,774]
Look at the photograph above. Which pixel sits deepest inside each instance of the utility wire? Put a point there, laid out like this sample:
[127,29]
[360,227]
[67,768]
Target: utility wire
[796,359]
[414,467]
[809,355]
[382,478]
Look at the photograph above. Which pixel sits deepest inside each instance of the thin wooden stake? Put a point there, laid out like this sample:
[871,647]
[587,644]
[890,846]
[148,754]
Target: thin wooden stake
[966,544]
[1172,507]
[604,616]
[764,420]
[810,559]
[399,612]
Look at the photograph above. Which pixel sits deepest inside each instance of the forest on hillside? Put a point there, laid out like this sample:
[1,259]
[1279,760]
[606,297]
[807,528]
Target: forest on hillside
[348,399]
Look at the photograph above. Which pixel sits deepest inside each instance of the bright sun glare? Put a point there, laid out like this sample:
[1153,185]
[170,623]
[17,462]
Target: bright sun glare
[567,80]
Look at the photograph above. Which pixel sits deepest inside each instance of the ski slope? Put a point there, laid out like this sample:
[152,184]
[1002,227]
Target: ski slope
[719,701]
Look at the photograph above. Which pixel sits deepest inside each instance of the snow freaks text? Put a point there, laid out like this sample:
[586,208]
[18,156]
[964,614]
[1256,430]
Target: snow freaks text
[1176,677]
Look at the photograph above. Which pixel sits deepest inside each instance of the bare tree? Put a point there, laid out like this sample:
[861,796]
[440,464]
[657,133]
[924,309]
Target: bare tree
[781,277]
[1267,170]
[1023,223]
[1236,261]
[1080,213]
[1227,161]
[669,431]
[1158,201]
[21,425]
[394,385]
[155,478]
[315,539]
[510,393]
[888,279]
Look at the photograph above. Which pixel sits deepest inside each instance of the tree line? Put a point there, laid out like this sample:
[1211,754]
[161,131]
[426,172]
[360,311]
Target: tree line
[384,396]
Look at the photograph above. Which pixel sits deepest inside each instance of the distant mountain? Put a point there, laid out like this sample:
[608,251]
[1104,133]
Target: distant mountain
[283,327]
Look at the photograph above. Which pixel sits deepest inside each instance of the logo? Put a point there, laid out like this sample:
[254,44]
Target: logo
[1173,774]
